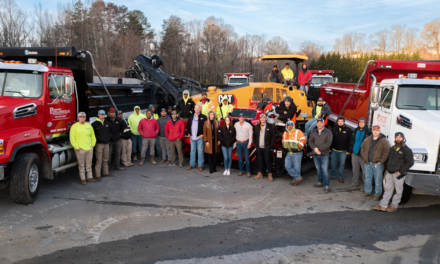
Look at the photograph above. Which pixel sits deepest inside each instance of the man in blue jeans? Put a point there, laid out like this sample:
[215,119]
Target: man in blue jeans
[341,141]
[294,142]
[194,127]
[244,133]
[320,141]
[375,151]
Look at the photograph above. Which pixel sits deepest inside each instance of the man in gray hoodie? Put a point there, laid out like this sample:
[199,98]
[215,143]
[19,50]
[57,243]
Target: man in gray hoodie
[320,141]
[163,119]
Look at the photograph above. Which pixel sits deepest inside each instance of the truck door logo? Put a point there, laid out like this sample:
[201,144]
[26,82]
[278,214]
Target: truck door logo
[231,99]
[382,120]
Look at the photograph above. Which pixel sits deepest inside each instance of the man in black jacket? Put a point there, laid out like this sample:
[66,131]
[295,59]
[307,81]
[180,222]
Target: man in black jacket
[102,130]
[341,141]
[185,107]
[114,146]
[264,137]
[357,162]
[286,110]
[400,161]
[194,128]
[126,144]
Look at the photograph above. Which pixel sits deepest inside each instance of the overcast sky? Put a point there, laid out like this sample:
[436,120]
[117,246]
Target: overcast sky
[295,21]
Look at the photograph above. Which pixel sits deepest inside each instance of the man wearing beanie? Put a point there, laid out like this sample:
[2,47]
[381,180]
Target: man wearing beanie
[358,164]
[400,161]
[341,140]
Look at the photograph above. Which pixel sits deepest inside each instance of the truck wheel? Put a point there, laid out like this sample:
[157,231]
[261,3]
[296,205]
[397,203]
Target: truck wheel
[406,194]
[25,178]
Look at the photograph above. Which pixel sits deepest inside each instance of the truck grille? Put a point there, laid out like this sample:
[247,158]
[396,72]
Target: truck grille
[404,121]
[25,111]
[247,113]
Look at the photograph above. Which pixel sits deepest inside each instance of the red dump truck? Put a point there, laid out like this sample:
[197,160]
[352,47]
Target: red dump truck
[41,92]
[399,96]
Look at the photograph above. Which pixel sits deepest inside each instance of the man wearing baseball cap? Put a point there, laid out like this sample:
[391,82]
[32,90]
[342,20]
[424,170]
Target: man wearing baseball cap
[82,138]
[375,151]
[102,130]
[400,161]
[320,110]
[294,142]
[244,134]
[320,141]
[115,145]
[206,104]
[264,138]
[165,147]
[185,107]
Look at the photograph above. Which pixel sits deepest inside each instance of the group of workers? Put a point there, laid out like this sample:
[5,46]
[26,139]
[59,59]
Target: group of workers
[286,76]
[114,137]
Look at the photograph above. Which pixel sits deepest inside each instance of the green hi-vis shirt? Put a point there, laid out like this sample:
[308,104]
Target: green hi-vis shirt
[82,136]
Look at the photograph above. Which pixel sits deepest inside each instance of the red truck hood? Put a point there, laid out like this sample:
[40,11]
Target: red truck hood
[7,106]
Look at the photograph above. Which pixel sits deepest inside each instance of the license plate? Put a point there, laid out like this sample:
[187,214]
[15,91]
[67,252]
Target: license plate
[279,154]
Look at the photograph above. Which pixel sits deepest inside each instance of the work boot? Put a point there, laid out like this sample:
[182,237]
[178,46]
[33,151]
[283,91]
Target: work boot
[169,161]
[326,189]
[91,180]
[247,174]
[142,162]
[319,184]
[107,175]
[126,165]
[189,167]
[332,178]
[135,158]
[152,160]
[162,161]
[379,208]
[376,198]
[259,176]
[200,168]
[98,179]
[365,194]
[295,183]
[391,209]
[240,173]
[131,164]
[341,180]
[83,182]
[270,177]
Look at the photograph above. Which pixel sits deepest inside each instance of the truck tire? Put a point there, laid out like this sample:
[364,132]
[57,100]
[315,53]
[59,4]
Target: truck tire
[25,178]
[406,194]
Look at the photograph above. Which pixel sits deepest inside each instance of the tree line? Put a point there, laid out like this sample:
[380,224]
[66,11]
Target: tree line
[348,69]
[200,49]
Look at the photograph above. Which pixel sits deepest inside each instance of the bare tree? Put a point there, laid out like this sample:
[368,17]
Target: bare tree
[396,37]
[381,38]
[409,39]
[337,47]
[431,36]
[312,50]
[14,25]
[277,45]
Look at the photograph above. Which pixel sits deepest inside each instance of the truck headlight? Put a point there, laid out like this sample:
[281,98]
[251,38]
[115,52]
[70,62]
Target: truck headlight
[2,148]
[420,157]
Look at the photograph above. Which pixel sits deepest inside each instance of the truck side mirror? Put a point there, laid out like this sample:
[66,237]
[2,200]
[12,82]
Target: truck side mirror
[375,93]
[68,80]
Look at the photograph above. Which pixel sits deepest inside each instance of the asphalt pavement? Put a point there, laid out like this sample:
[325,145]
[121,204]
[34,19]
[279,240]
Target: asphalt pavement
[161,214]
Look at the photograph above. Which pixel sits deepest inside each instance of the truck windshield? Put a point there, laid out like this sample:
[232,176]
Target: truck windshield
[238,80]
[418,97]
[21,84]
[317,81]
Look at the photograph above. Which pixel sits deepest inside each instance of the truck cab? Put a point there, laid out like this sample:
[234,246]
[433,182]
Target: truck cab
[412,106]
[233,79]
[321,77]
